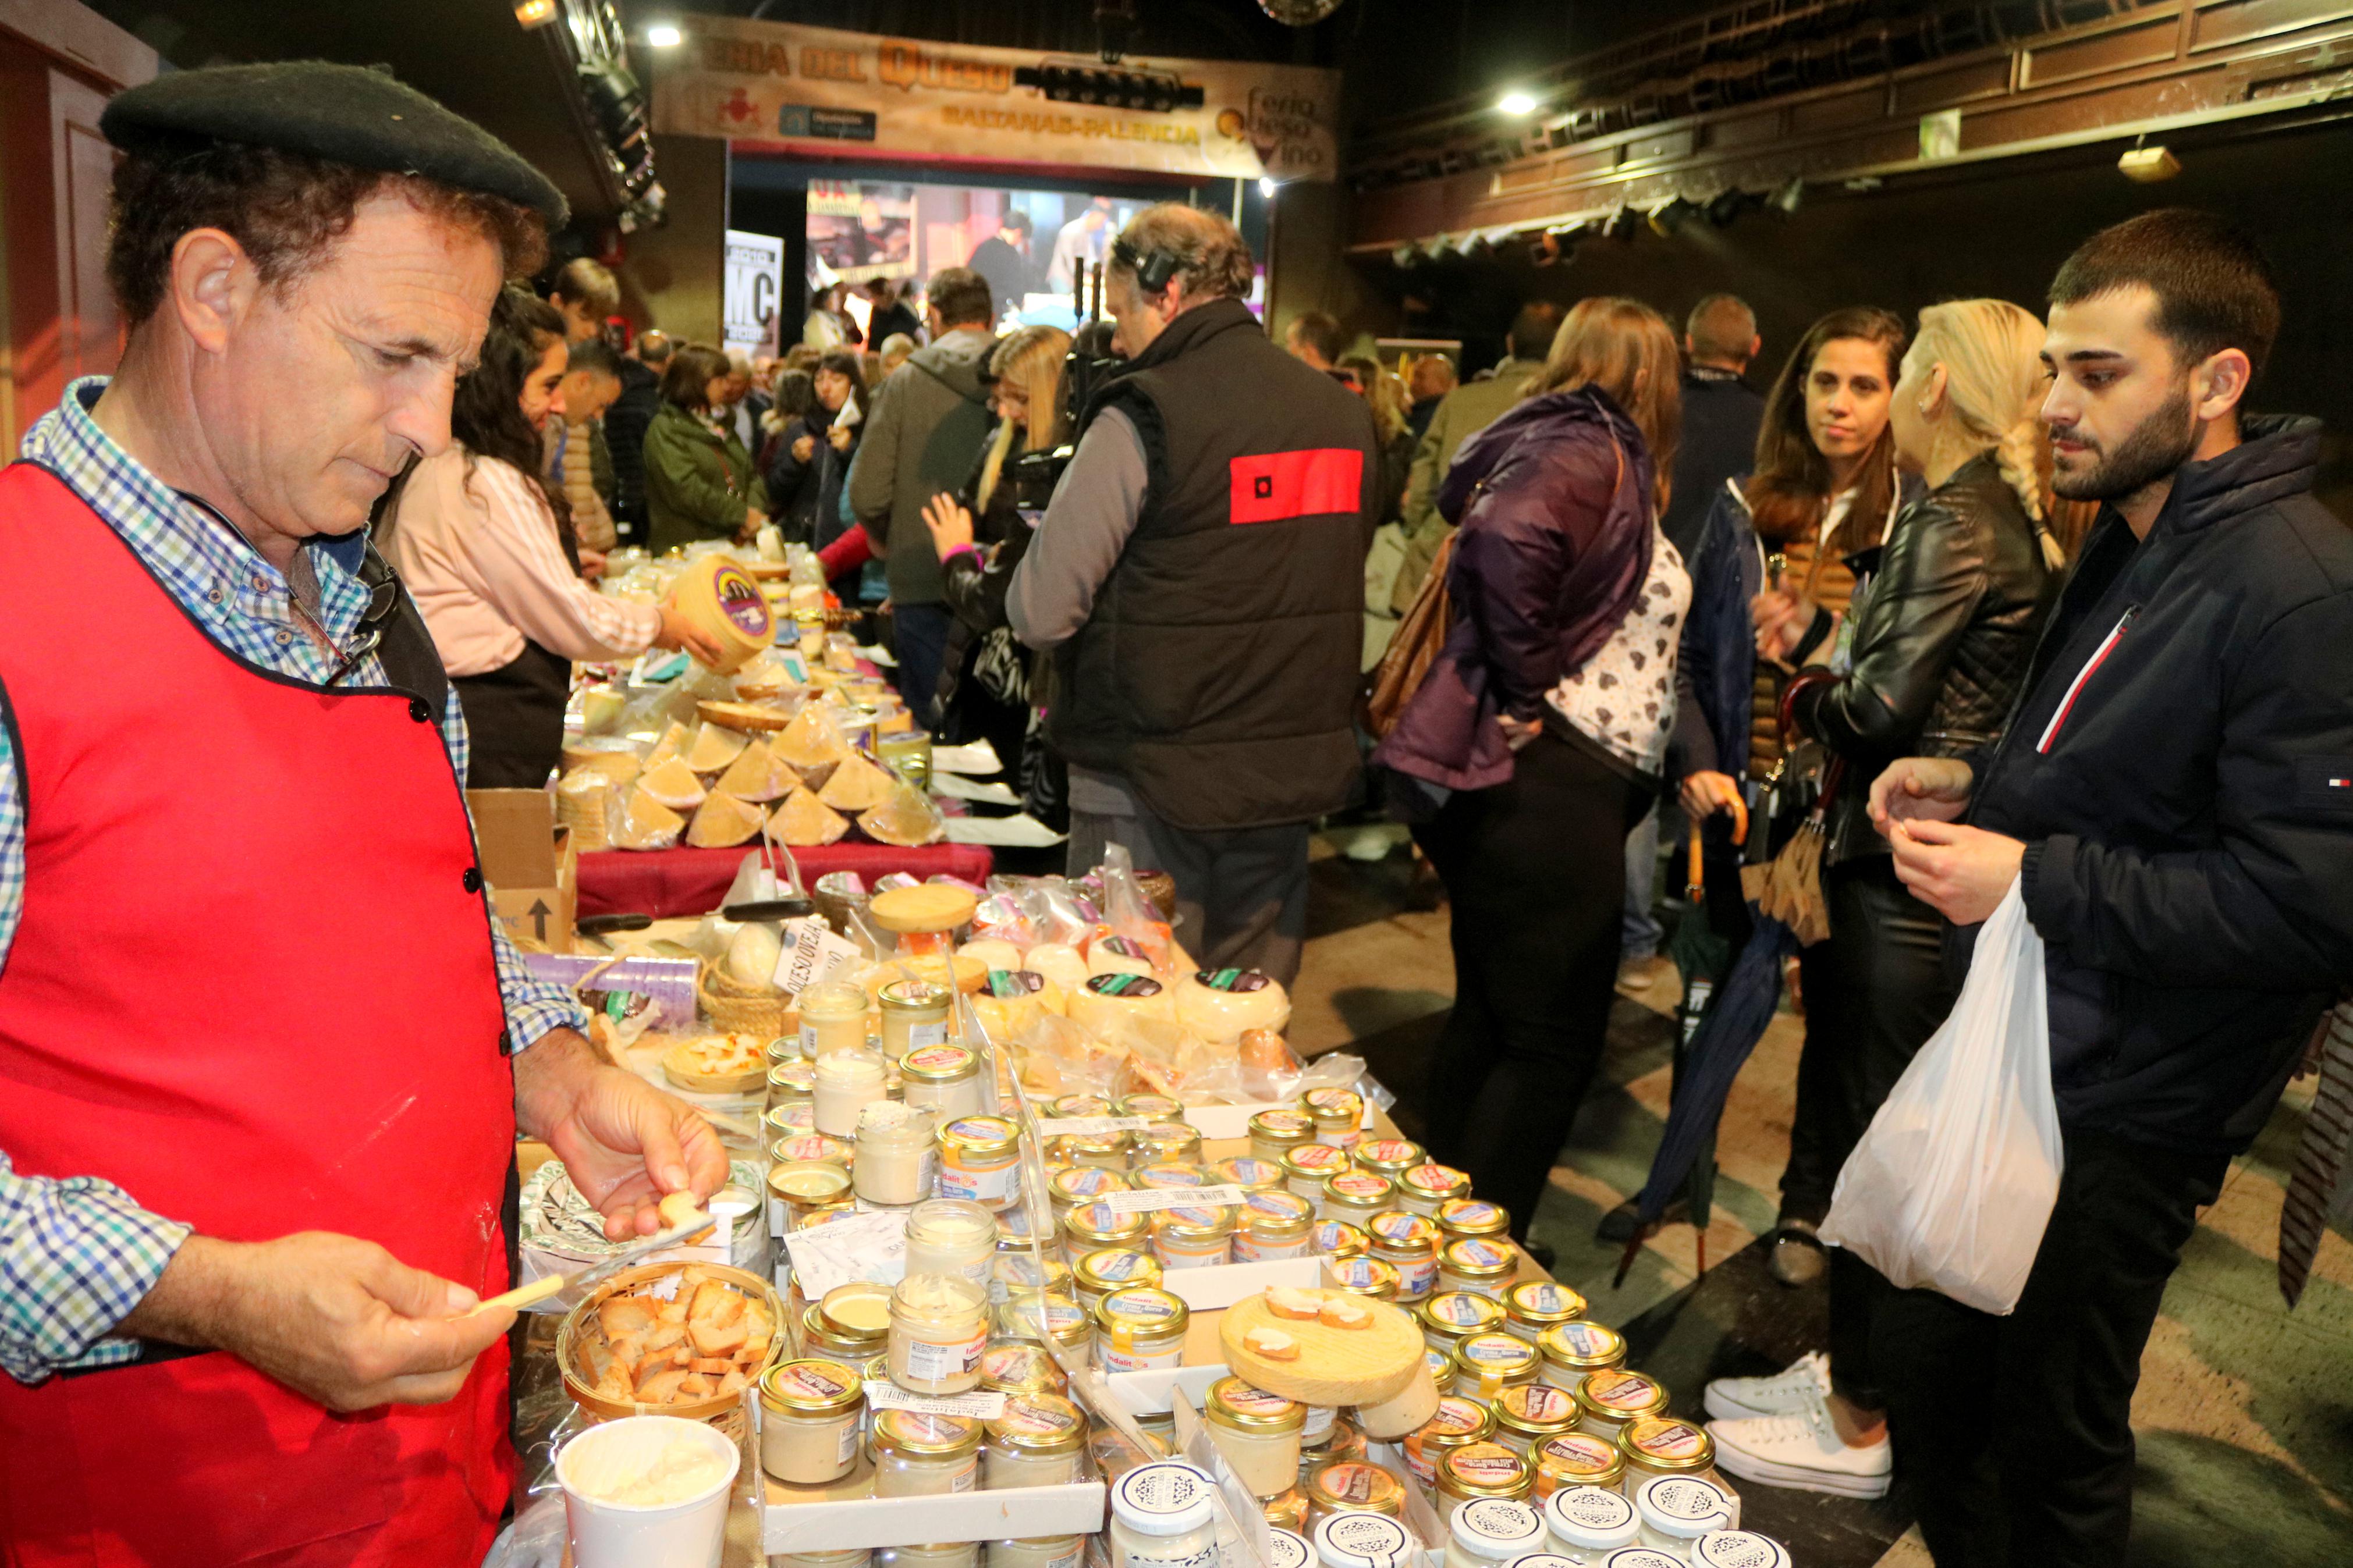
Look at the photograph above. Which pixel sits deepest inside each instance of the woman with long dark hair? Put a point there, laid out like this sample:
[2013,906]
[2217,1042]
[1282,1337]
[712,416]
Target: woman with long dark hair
[814,446]
[481,540]
[1542,724]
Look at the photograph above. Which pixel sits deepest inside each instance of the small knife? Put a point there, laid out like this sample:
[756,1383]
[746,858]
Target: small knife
[547,1285]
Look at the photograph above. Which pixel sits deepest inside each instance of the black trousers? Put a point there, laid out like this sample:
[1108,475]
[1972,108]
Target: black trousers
[1241,895]
[1535,875]
[1875,990]
[514,720]
[2016,1432]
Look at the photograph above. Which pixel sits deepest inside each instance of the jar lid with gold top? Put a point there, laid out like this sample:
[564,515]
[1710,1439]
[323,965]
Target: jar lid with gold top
[1337,1238]
[1473,1217]
[980,1137]
[1170,1177]
[1390,1156]
[1535,1305]
[1039,1426]
[1105,1150]
[1495,1360]
[1248,1173]
[944,1063]
[857,1311]
[1484,1470]
[1314,1161]
[1580,1347]
[1277,1216]
[921,1433]
[1403,1232]
[1090,1225]
[1158,1107]
[1451,1314]
[1108,1269]
[812,1387]
[1614,1394]
[1535,1411]
[1280,1128]
[915,999]
[1457,1421]
[1040,1315]
[792,1079]
[1240,1407]
[1487,1260]
[1665,1445]
[1142,1314]
[1164,1141]
[1353,1486]
[1018,1366]
[1075,1184]
[1356,1194]
[1576,1459]
[1362,1276]
[1333,1110]
[1287,1511]
[1433,1184]
[1070,1105]
[1195,1223]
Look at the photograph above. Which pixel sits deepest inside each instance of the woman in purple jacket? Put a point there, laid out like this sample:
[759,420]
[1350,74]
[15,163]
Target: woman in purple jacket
[1534,744]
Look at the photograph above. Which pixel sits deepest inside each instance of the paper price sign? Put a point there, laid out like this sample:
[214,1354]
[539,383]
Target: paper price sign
[812,953]
[1091,1126]
[884,1395]
[1173,1198]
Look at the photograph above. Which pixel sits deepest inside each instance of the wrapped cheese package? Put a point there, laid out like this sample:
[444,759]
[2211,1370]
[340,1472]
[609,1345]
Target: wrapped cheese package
[1100,1004]
[647,823]
[804,821]
[1219,1004]
[759,775]
[1058,963]
[674,784]
[1117,955]
[991,953]
[722,822]
[715,746]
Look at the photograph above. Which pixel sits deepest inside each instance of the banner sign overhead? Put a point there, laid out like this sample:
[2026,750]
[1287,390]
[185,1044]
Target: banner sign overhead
[826,92]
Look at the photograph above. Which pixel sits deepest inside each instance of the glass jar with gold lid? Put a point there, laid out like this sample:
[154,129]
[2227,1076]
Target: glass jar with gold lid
[1140,1328]
[1277,1131]
[1272,1225]
[1665,1445]
[1157,1106]
[1097,1224]
[1076,1105]
[1101,1150]
[1457,1421]
[918,1453]
[1163,1142]
[1480,1470]
[1353,1486]
[1258,1434]
[1362,1276]
[1460,1217]
[812,1413]
[1037,1441]
[915,1015]
[1486,1363]
[943,1079]
[1338,1115]
[1020,1366]
[1528,1412]
[1108,1269]
[1040,1316]
[980,1161]
[1356,1196]
[1609,1398]
[792,1081]
[1577,1459]
[1307,1166]
[1407,1243]
[1423,1188]
[1168,1176]
[851,1323]
[1573,1349]
[1012,1274]
[1449,1316]
[1392,1157]
[1288,1511]
[1074,1185]
[1478,1263]
[1532,1306]
[1194,1237]
[1337,1238]
[1248,1173]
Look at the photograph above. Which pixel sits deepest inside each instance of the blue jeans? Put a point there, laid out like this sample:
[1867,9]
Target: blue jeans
[921,639]
[1640,930]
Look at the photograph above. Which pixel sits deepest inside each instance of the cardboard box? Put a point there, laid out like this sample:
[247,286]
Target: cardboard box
[533,869]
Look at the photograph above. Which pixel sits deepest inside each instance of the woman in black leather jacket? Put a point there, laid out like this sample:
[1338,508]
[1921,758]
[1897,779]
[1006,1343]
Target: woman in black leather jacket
[1934,646]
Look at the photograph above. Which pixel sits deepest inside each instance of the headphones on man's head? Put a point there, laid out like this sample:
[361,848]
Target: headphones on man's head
[1153,268]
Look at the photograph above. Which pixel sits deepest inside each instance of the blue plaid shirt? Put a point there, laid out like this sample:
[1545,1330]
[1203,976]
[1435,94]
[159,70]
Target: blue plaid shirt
[77,1254]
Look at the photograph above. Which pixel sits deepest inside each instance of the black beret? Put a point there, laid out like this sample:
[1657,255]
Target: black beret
[342,114]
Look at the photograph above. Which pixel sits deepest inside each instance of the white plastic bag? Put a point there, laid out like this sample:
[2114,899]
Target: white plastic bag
[1951,1187]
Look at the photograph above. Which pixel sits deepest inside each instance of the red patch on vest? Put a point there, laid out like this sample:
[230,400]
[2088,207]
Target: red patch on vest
[1275,486]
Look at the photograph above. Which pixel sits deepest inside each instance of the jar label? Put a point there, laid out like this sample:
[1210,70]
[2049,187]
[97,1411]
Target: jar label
[1670,1440]
[1684,1498]
[1037,1418]
[1141,1301]
[808,1146]
[1014,982]
[1415,1276]
[1499,1521]
[1192,1216]
[1150,1199]
[1135,985]
[1586,1338]
[1085,1182]
[1335,1235]
[1163,1177]
[1538,1401]
[808,1038]
[1375,1538]
[1462,1212]
[1454,1417]
[1432,1178]
[1284,1122]
[1120,1264]
[1545,1298]
[1081,1105]
[1498,1350]
[1461,1308]
[923,1036]
[984,1187]
[1288,1207]
[1398,1226]
[1355,1272]
[1230,979]
[1350,1482]
[1386,1150]
[813,1380]
[1013,1363]
[1479,1254]
[1248,1172]
[1251,1401]
[1621,1390]
[1578,1452]
[1314,1157]
[1114,1359]
[928,1361]
[845,1447]
[1485,1465]
[1333,1099]
[903,1420]
[937,1058]
[1358,1184]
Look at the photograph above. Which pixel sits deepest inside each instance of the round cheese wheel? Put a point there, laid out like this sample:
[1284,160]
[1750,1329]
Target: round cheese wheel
[992,954]
[717,594]
[1058,963]
[1098,1005]
[1116,955]
[1220,1004]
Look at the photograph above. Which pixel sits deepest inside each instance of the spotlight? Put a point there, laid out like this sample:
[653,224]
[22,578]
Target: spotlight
[1670,215]
[1623,225]
[531,14]
[664,36]
[1515,103]
[1785,199]
[1152,92]
[1266,184]
[2148,166]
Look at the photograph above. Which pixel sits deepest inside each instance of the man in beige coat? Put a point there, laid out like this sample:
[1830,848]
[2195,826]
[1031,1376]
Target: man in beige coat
[1469,409]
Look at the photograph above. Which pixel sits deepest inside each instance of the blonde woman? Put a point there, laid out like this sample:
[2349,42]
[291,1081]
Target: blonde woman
[1939,638]
[1543,723]
[985,685]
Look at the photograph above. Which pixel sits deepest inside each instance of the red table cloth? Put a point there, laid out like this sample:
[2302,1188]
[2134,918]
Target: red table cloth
[671,882]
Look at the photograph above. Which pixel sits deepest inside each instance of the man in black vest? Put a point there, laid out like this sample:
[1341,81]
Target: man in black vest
[1199,577]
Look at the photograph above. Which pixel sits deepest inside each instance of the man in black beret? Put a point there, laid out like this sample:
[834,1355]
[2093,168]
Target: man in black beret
[263,1051]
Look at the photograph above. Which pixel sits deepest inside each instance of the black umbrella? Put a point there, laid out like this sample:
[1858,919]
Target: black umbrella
[1701,956]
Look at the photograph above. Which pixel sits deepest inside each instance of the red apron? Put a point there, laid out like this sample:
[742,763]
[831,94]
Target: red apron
[253,985]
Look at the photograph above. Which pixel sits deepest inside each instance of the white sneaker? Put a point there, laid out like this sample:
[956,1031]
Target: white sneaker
[1802,1452]
[1800,1384]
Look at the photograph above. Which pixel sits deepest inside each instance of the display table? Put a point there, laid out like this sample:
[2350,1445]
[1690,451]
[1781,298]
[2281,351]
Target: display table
[665,883]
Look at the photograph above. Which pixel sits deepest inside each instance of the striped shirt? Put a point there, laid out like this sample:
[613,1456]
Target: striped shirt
[473,539]
[77,1253]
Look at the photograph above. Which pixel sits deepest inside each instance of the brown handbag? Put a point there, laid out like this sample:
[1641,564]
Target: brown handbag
[1422,632]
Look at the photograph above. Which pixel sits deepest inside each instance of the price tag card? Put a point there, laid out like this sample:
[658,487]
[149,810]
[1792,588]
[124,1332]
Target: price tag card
[1223,1197]
[1091,1126]
[871,1246]
[981,1406]
[812,953]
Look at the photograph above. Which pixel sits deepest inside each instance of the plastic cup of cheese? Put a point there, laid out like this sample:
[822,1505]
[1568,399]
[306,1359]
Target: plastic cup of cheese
[648,1492]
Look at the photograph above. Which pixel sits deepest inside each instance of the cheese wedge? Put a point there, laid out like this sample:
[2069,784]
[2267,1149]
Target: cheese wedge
[599,707]
[587,801]
[672,744]
[809,741]
[856,785]
[759,774]
[723,822]
[715,747]
[907,818]
[647,823]
[803,821]
[674,784]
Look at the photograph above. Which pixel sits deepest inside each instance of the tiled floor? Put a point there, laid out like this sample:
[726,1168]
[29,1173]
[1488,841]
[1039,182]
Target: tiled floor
[2245,1410]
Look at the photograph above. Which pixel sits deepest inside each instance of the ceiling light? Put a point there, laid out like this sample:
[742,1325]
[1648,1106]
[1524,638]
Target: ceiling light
[1266,184]
[664,36]
[2148,166]
[535,12]
[1515,103]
